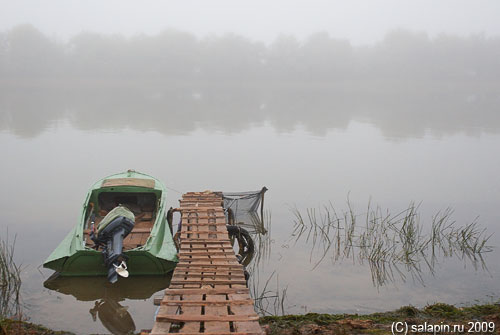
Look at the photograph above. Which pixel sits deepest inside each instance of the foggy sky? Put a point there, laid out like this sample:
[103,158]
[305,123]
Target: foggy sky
[358,21]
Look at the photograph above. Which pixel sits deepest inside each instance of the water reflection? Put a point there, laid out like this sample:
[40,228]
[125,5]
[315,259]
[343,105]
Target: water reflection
[108,297]
[268,301]
[395,245]
[398,109]
[407,85]
[113,316]
[247,211]
[260,232]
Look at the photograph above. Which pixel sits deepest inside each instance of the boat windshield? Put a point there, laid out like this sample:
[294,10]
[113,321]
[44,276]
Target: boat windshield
[137,202]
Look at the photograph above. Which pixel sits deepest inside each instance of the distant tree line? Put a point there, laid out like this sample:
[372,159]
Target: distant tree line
[407,84]
[180,56]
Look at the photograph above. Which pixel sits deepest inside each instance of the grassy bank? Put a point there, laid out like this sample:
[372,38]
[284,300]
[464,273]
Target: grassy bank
[380,323]
[11,327]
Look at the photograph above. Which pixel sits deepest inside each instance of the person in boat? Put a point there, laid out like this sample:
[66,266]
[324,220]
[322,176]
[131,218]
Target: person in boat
[109,235]
[113,316]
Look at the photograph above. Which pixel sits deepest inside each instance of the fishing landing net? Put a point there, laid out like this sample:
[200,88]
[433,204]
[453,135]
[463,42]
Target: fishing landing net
[242,209]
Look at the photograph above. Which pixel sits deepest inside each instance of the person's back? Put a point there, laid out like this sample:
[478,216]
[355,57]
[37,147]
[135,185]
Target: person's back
[118,211]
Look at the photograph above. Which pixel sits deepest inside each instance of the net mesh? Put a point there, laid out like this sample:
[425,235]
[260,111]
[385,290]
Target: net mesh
[242,208]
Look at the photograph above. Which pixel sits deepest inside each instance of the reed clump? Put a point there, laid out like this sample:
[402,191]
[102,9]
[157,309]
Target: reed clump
[10,282]
[392,244]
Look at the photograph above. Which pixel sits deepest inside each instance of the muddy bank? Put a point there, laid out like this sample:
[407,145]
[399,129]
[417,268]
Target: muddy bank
[420,320]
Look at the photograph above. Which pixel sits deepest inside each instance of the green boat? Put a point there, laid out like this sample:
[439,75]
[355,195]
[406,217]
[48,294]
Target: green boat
[148,246]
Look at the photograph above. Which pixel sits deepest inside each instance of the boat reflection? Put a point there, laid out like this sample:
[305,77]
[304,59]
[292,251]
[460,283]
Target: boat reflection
[107,308]
[113,316]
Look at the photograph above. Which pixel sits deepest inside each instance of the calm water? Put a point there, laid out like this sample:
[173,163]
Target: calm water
[310,145]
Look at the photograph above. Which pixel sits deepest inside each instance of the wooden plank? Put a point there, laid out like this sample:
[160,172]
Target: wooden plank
[209,261]
[208,272]
[199,268]
[208,281]
[204,239]
[164,327]
[204,250]
[204,219]
[243,326]
[194,291]
[215,263]
[219,311]
[206,253]
[222,242]
[219,217]
[203,258]
[190,311]
[188,318]
[225,247]
[191,276]
[218,333]
[214,201]
[219,224]
[195,212]
[186,265]
[192,208]
[148,183]
[224,302]
[205,202]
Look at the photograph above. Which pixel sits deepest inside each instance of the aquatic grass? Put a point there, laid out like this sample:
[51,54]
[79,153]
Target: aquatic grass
[262,240]
[388,242]
[267,301]
[10,281]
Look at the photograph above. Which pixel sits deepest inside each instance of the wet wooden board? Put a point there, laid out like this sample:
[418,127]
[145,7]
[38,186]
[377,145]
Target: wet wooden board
[136,238]
[139,182]
[208,293]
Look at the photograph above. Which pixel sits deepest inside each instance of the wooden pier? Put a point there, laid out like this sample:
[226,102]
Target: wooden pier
[208,292]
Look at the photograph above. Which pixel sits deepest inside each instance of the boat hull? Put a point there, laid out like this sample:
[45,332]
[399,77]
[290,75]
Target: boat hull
[91,263]
[157,255]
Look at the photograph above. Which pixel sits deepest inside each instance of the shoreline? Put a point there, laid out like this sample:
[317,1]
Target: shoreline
[425,320]
[313,323]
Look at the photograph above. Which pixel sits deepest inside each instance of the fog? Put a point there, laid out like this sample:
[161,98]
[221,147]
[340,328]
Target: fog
[320,101]
[359,21]
[408,84]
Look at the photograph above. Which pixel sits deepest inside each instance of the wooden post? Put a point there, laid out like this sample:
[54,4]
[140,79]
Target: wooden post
[264,189]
